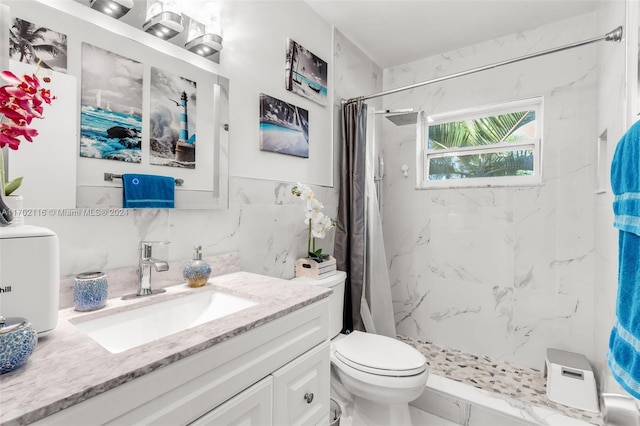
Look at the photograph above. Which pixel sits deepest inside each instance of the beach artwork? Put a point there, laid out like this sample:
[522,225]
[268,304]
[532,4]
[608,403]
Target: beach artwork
[306,74]
[284,128]
[111,117]
[172,120]
[33,44]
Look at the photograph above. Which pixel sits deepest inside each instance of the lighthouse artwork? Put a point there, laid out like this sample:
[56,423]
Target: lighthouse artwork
[185,147]
[172,130]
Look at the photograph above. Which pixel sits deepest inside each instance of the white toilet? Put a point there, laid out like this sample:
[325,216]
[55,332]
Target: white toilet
[382,374]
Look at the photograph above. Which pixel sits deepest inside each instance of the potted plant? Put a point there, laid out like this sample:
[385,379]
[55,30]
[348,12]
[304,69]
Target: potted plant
[317,222]
[20,102]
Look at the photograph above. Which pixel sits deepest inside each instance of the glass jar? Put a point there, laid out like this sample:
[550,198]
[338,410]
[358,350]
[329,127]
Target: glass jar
[18,339]
[90,291]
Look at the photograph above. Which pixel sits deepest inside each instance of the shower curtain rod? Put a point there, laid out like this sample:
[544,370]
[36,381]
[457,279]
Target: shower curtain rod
[615,35]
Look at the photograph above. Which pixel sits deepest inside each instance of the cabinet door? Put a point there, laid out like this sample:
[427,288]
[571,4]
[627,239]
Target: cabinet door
[251,407]
[301,389]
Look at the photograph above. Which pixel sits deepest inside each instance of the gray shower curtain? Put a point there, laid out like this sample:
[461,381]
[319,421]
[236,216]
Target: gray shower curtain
[359,246]
[350,236]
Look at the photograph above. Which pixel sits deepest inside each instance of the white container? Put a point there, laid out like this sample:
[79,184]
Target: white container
[309,268]
[570,380]
[30,275]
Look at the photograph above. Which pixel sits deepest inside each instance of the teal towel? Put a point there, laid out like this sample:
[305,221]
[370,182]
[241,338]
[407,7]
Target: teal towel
[625,181]
[148,191]
[624,341]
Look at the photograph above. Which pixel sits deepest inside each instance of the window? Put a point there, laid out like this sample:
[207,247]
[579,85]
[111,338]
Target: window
[486,146]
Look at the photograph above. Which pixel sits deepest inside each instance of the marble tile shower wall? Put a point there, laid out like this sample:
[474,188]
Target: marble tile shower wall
[264,223]
[501,272]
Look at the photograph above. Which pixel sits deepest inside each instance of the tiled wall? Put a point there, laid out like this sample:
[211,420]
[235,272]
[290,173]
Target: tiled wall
[613,118]
[502,272]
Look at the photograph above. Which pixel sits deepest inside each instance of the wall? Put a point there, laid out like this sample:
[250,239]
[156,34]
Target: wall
[499,272]
[264,221]
[254,55]
[614,117]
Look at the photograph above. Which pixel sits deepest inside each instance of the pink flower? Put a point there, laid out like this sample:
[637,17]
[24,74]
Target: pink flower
[9,134]
[21,102]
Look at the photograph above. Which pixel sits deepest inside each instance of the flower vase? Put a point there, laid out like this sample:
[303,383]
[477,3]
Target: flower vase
[15,203]
[6,214]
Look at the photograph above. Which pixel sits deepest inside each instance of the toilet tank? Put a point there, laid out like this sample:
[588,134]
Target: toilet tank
[30,275]
[336,299]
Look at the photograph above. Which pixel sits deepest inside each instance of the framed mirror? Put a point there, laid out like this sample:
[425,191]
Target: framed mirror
[127,103]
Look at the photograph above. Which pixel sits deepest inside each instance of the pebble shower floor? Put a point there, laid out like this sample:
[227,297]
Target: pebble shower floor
[520,383]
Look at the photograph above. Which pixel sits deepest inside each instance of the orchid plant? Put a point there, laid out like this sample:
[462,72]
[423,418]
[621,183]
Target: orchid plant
[317,222]
[20,102]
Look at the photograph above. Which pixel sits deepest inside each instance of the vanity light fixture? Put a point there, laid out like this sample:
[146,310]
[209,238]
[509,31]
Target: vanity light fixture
[114,8]
[204,39]
[163,19]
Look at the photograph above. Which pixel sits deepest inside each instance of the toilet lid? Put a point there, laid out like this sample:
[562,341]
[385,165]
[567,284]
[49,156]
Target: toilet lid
[380,355]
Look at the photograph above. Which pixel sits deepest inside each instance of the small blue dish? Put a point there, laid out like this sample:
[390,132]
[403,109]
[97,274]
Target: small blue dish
[18,339]
[90,291]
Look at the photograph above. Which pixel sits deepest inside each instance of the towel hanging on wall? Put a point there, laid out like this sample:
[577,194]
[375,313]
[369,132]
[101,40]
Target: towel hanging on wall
[148,191]
[624,341]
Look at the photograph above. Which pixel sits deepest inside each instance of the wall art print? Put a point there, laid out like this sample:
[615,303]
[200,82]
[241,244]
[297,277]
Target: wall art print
[111,110]
[172,120]
[306,74]
[284,128]
[33,44]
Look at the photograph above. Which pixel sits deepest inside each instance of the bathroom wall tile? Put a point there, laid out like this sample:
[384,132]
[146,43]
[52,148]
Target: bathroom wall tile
[482,416]
[215,230]
[554,250]
[423,418]
[281,242]
[542,321]
[443,405]
[499,271]
[472,244]
[465,315]
[112,241]
[353,64]
[613,117]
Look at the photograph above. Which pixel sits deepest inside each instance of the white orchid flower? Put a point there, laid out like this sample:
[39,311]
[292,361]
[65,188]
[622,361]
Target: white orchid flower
[314,205]
[317,222]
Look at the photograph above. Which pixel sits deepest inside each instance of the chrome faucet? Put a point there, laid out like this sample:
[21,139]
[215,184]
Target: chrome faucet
[145,263]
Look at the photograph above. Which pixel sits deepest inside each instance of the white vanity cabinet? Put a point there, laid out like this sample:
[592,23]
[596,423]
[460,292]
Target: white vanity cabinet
[296,394]
[301,389]
[262,376]
[253,407]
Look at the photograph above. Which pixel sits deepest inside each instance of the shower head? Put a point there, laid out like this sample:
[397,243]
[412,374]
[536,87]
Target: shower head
[400,117]
[403,119]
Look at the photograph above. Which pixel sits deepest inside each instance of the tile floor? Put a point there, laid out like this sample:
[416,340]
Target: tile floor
[525,385]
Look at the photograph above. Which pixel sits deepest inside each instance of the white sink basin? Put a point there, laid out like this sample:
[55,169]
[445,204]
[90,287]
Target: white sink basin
[126,330]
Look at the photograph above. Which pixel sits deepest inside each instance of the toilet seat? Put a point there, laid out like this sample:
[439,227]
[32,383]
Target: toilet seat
[379,355]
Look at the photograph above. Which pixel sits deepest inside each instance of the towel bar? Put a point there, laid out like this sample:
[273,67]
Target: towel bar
[111,176]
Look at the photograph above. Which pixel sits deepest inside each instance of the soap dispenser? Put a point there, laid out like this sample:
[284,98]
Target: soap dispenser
[197,271]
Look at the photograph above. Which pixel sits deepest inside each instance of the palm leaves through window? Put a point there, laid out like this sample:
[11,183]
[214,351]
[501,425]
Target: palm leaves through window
[481,132]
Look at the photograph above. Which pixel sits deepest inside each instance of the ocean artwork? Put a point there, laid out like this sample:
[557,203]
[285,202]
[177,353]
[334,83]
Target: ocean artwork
[111,112]
[306,74]
[172,120]
[284,128]
[33,44]
[110,134]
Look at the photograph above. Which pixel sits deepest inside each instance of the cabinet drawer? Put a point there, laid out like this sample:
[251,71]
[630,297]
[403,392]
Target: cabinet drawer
[252,406]
[301,389]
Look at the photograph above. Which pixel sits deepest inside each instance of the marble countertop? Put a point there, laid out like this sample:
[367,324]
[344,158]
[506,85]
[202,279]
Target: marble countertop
[68,367]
